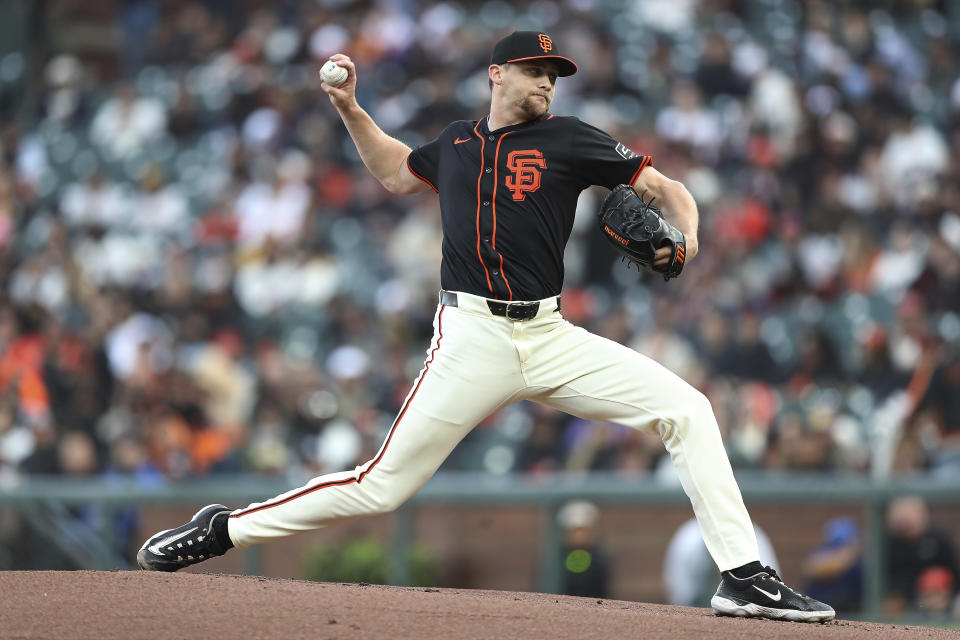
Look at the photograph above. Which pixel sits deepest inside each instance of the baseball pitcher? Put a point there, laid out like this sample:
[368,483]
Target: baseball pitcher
[508,186]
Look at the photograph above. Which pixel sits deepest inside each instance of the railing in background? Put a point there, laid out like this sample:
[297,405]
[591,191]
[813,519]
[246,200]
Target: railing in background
[546,494]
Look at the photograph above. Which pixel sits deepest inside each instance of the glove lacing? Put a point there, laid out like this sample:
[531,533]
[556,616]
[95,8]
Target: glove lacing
[637,218]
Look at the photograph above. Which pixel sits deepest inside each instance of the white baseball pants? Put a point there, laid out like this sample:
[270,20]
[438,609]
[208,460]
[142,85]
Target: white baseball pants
[478,363]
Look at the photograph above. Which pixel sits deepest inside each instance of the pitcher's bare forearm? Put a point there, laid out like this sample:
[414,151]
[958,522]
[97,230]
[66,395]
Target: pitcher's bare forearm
[681,207]
[384,156]
[677,204]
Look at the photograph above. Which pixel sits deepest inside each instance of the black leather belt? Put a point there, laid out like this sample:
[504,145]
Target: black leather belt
[510,310]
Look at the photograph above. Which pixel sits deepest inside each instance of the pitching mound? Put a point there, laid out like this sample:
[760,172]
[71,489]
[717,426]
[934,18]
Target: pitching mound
[135,604]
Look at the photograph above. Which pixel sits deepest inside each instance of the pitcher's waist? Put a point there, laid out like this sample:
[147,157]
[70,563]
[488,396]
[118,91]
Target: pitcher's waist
[517,310]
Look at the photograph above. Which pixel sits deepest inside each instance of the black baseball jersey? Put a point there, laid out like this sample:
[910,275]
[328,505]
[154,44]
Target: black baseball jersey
[508,198]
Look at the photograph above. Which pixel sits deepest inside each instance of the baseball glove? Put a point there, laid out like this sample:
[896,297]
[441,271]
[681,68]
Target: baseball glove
[636,229]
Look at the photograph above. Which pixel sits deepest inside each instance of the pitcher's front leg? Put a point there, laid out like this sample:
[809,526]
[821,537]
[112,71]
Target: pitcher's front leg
[598,379]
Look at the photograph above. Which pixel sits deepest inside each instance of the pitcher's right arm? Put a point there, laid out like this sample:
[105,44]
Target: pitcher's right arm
[383,155]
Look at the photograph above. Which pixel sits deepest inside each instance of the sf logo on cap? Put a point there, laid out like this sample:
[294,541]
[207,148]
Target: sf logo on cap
[546,43]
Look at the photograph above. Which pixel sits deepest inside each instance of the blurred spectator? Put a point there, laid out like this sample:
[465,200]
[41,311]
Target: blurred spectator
[834,569]
[713,342]
[126,122]
[275,207]
[776,110]
[716,74]
[750,358]
[542,451]
[940,405]
[796,444]
[65,99]
[96,202]
[17,441]
[269,447]
[41,280]
[160,208]
[913,547]
[128,460]
[76,455]
[586,571]
[939,282]
[899,265]
[913,156]
[226,385]
[878,372]
[936,593]
[819,362]
[752,411]
[139,348]
[11,208]
[688,121]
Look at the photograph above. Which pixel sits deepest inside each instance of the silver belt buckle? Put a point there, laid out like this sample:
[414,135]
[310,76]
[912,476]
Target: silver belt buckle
[522,310]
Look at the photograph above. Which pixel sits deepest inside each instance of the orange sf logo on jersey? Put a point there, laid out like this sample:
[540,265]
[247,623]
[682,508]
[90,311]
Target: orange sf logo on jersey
[525,166]
[546,43]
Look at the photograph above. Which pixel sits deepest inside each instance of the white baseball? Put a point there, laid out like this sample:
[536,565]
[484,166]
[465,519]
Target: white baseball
[333,74]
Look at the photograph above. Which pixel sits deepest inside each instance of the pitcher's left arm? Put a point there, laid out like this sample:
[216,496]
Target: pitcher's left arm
[677,204]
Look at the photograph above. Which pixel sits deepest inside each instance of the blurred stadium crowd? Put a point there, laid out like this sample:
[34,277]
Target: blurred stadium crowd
[198,275]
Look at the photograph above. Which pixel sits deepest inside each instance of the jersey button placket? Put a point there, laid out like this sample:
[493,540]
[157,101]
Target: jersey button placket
[486,221]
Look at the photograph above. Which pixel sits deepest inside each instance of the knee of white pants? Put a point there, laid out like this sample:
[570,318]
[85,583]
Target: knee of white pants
[701,404]
[390,502]
[695,410]
[381,500]
[385,494]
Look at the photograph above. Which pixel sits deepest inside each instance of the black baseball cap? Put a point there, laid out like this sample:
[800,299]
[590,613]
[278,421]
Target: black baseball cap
[531,45]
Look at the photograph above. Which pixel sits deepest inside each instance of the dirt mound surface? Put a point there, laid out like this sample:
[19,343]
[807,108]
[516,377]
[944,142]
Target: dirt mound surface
[136,604]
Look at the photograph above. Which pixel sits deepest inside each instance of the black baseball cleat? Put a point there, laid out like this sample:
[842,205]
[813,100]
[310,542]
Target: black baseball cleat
[188,544]
[764,595]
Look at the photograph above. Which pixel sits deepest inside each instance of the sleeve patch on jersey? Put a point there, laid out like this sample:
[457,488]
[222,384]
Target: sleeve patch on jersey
[625,152]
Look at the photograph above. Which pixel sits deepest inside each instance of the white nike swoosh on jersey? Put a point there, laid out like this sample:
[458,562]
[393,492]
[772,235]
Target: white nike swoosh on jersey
[166,541]
[775,598]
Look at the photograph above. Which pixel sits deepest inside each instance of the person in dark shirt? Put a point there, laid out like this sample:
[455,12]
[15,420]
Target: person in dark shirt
[835,568]
[508,186]
[913,546]
[585,571]
[941,401]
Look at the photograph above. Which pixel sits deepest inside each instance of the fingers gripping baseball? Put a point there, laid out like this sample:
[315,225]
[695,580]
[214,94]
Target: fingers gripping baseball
[343,94]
